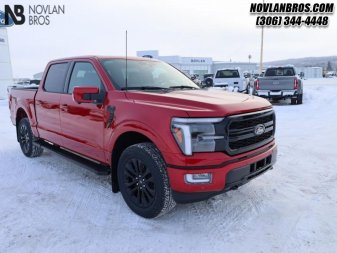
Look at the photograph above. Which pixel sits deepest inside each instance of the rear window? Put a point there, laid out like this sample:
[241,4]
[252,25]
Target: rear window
[56,77]
[227,73]
[280,72]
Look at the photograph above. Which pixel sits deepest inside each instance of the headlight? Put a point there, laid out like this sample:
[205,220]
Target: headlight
[195,134]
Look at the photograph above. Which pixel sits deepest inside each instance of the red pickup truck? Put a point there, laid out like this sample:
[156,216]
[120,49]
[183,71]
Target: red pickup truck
[163,139]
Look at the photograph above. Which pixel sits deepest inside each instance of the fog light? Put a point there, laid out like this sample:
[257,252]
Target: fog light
[202,178]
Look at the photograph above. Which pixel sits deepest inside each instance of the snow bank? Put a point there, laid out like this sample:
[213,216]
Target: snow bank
[50,204]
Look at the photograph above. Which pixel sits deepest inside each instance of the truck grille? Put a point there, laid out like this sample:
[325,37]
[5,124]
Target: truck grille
[250,131]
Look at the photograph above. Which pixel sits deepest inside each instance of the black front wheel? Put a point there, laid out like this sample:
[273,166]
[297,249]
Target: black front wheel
[26,139]
[143,181]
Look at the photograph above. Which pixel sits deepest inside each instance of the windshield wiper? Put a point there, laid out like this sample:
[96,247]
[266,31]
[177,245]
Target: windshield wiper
[183,87]
[144,88]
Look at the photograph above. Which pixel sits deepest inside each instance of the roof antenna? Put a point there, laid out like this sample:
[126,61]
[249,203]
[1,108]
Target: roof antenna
[126,60]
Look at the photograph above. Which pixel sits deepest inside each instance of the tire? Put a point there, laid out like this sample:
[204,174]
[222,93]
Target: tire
[209,82]
[300,99]
[26,139]
[143,181]
[293,101]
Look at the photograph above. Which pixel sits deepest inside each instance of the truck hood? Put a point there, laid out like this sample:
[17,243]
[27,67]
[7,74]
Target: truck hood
[201,103]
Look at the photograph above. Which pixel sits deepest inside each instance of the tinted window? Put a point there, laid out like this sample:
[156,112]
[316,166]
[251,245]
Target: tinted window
[280,72]
[227,73]
[145,73]
[84,75]
[56,77]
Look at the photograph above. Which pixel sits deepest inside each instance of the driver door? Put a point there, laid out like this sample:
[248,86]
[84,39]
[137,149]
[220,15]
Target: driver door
[82,125]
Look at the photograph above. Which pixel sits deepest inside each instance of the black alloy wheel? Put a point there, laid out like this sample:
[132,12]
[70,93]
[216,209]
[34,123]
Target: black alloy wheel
[26,139]
[143,180]
[139,182]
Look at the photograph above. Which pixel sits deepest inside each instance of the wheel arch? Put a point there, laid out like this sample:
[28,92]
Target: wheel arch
[123,141]
[20,114]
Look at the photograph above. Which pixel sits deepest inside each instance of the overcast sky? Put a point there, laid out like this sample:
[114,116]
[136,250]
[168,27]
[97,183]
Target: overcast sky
[219,29]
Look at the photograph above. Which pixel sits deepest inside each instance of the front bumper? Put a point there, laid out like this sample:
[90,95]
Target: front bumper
[227,177]
[276,94]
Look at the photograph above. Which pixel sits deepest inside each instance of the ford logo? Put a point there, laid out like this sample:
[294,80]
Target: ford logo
[259,129]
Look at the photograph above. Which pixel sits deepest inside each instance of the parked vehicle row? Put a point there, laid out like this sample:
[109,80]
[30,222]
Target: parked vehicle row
[273,83]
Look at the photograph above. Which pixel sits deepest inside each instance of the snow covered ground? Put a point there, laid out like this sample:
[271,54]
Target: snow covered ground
[50,204]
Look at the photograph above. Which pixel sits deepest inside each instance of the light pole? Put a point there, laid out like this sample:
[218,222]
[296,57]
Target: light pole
[261,52]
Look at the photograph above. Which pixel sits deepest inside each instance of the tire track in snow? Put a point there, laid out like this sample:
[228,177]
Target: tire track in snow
[225,214]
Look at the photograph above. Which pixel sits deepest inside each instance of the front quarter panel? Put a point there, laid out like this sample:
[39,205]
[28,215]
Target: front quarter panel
[149,120]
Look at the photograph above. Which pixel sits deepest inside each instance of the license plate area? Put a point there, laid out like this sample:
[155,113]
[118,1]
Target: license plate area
[275,93]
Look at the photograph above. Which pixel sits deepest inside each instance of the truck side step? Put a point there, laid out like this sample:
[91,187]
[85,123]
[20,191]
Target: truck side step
[91,165]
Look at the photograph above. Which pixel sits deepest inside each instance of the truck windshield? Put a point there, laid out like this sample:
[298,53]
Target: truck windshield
[280,72]
[145,75]
[227,73]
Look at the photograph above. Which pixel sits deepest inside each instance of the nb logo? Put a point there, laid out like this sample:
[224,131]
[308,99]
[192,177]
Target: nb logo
[12,16]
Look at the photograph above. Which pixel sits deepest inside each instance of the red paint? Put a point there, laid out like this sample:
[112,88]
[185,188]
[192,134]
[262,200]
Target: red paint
[257,86]
[79,92]
[81,127]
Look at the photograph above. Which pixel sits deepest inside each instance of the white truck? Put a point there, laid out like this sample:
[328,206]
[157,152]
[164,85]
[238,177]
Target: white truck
[231,77]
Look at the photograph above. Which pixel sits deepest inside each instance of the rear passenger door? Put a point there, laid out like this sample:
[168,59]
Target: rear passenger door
[47,102]
[82,125]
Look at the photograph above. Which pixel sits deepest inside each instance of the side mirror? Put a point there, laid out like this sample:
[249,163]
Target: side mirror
[85,94]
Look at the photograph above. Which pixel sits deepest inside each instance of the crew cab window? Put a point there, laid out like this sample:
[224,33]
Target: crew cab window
[280,72]
[227,73]
[56,77]
[84,75]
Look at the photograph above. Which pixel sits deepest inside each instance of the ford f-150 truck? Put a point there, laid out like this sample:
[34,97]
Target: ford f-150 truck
[280,83]
[163,139]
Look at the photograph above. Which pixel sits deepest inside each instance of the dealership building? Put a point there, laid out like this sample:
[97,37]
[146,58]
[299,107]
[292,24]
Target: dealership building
[191,65]
[198,65]
[206,65]
[6,74]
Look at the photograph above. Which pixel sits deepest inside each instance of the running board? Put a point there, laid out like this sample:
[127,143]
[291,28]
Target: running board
[86,163]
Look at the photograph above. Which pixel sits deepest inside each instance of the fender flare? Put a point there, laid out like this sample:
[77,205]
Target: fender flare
[137,127]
